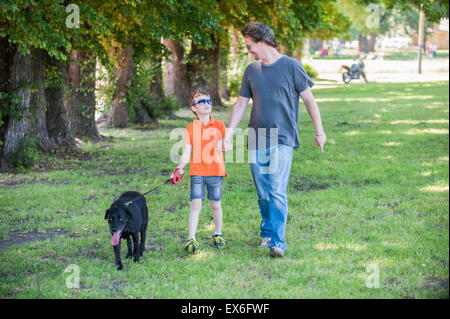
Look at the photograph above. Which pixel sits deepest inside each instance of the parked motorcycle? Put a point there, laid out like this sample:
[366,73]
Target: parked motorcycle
[354,72]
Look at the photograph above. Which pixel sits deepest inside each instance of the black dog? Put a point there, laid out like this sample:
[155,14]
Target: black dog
[128,216]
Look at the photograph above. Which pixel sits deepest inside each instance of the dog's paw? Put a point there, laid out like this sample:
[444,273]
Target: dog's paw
[136,259]
[120,267]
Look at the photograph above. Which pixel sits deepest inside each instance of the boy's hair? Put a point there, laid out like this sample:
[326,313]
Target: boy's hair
[258,31]
[194,96]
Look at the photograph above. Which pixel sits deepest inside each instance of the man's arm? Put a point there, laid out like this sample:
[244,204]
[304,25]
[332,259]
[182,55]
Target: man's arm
[237,113]
[313,111]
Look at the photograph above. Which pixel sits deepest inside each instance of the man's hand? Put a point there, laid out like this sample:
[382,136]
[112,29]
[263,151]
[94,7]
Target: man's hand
[320,140]
[225,145]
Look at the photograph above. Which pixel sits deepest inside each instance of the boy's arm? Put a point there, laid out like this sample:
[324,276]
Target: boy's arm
[313,110]
[185,158]
[237,113]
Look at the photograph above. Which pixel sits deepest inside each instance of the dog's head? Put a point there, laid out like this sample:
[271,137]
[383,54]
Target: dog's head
[118,218]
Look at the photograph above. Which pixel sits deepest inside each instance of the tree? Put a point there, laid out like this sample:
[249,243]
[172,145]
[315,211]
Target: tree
[136,38]
[36,38]
[373,17]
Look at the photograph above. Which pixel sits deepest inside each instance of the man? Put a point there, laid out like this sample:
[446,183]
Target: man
[274,83]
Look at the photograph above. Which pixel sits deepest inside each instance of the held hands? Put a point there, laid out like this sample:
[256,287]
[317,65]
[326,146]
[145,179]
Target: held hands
[320,140]
[224,145]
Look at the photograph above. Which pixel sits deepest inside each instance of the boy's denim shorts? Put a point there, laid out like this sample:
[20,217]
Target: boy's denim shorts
[213,184]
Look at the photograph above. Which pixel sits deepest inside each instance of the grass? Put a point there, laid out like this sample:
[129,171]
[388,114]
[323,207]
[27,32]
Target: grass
[377,197]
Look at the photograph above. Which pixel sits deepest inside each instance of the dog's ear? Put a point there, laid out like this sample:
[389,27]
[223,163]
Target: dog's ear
[108,211]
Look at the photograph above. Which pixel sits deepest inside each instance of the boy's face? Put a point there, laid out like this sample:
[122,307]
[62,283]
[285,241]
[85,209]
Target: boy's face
[204,108]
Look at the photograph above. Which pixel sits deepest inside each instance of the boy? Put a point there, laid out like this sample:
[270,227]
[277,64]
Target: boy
[207,166]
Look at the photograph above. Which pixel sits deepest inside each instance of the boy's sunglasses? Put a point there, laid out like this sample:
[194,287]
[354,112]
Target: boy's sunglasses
[203,102]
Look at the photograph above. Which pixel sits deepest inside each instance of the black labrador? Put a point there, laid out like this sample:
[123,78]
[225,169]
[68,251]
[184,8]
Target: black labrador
[128,216]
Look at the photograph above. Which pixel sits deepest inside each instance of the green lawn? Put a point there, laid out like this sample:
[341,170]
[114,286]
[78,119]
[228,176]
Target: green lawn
[375,202]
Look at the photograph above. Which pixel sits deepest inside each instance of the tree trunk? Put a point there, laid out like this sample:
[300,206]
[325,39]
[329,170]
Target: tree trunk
[32,121]
[118,114]
[363,44]
[38,101]
[372,42]
[204,74]
[16,128]
[156,88]
[57,123]
[224,52]
[176,80]
[6,57]
[80,99]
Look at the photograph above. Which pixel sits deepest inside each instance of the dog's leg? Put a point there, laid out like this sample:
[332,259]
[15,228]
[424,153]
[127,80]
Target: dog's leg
[136,246]
[142,244]
[117,254]
[130,251]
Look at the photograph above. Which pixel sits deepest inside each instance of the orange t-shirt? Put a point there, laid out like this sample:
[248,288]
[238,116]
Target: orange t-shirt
[206,160]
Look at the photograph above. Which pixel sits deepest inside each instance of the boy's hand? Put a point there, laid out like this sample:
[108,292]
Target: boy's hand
[180,171]
[224,145]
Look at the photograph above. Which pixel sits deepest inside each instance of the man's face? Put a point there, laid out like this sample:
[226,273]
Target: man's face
[254,48]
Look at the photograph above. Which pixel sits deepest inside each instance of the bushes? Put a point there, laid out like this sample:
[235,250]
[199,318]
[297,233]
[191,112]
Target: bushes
[25,154]
[312,73]
[140,95]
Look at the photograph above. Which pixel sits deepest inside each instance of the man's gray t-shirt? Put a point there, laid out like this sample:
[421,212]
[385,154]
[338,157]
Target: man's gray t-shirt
[275,90]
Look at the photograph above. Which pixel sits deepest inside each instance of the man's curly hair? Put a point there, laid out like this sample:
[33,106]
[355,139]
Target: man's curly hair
[258,31]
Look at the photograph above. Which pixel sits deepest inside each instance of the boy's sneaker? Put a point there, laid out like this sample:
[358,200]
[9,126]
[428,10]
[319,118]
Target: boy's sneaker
[191,246]
[265,241]
[218,242]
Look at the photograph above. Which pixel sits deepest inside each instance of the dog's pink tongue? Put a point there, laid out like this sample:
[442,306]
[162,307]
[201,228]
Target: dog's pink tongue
[115,238]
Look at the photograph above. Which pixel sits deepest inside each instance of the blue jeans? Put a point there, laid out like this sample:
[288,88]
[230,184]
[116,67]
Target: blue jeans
[270,170]
[212,183]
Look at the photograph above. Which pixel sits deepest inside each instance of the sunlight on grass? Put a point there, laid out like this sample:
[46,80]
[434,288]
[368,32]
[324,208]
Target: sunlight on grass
[370,122]
[210,227]
[415,122]
[434,105]
[201,255]
[427,131]
[426,173]
[352,133]
[395,244]
[376,99]
[435,188]
[392,144]
[328,246]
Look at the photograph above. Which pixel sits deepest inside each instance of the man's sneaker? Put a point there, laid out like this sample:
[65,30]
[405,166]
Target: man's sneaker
[218,242]
[191,246]
[276,252]
[265,241]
